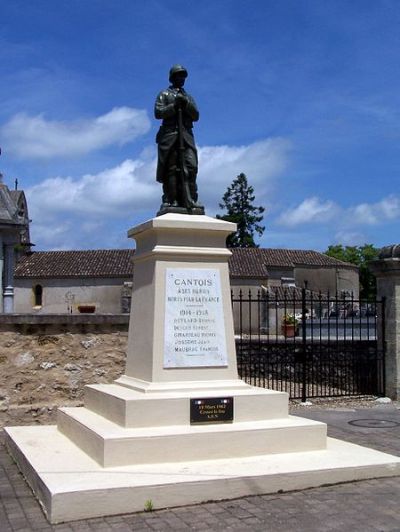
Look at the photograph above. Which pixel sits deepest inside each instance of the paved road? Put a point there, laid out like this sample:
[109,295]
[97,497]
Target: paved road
[364,506]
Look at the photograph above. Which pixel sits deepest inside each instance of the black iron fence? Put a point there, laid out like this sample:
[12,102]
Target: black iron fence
[310,345]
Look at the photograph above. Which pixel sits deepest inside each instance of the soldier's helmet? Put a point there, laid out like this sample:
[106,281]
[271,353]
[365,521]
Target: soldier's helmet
[177,69]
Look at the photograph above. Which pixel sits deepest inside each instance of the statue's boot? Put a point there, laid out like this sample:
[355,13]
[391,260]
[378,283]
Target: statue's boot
[165,200]
[194,195]
[172,190]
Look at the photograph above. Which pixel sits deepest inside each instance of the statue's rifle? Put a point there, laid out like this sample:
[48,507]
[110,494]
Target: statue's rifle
[184,174]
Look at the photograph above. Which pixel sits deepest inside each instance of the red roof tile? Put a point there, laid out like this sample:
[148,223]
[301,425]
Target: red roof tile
[254,262]
[244,262]
[65,264]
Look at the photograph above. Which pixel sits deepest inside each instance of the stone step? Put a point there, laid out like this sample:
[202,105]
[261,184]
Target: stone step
[112,445]
[70,485]
[130,408]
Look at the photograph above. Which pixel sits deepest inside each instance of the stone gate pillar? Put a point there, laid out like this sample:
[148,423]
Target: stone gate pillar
[8,294]
[387,271]
[1,272]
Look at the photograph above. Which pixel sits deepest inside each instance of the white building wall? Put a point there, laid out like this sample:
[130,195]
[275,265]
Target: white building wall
[328,279]
[60,295]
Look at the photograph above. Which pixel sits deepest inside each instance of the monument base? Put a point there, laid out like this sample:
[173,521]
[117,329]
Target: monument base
[120,427]
[70,485]
[180,427]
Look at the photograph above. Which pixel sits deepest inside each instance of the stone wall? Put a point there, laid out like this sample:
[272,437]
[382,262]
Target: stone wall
[40,371]
[63,323]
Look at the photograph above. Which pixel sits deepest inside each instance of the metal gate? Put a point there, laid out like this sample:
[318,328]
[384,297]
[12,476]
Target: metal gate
[310,344]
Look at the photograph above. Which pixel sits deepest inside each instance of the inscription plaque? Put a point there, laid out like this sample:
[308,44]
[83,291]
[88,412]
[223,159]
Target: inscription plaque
[211,410]
[194,332]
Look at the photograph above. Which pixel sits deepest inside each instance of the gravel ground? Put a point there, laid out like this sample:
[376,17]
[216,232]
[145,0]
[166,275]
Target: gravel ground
[341,403]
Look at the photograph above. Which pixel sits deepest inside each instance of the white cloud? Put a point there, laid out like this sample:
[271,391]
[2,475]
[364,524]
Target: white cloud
[34,137]
[261,161]
[315,210]
[310,210]
[45,235]
[114,193]
[350,226]
[129,190]
[350,238]
[374,213]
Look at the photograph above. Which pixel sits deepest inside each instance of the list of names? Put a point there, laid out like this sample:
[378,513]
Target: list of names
[194,322]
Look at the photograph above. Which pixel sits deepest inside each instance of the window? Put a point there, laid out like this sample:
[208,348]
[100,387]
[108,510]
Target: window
[38,292]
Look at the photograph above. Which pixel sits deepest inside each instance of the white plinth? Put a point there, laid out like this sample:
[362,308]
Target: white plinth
[70,485]
[133,440]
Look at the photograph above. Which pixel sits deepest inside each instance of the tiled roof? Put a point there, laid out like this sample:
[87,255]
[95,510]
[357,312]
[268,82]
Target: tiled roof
[244,262]
[298,257]
[66,264]
[254,262]
[8,206]
[247,262]
[13,210]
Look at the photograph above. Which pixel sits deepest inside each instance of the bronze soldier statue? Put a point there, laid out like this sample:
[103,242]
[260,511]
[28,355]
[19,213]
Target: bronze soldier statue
[177,154]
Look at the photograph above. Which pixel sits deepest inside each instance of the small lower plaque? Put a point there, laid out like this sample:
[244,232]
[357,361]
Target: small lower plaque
[211,410]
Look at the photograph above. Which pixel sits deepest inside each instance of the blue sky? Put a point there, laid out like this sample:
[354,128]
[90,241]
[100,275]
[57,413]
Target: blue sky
[302,96]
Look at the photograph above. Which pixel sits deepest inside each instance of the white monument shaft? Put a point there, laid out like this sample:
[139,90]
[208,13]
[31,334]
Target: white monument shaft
[181,326]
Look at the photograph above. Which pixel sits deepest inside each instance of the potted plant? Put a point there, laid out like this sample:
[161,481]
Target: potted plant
[289,325]
[86,309]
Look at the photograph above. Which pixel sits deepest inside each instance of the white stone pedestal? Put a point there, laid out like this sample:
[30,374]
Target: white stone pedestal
[133,441]
[172,251]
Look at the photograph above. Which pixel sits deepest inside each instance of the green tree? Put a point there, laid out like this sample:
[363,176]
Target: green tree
[360,256]
[238,203]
